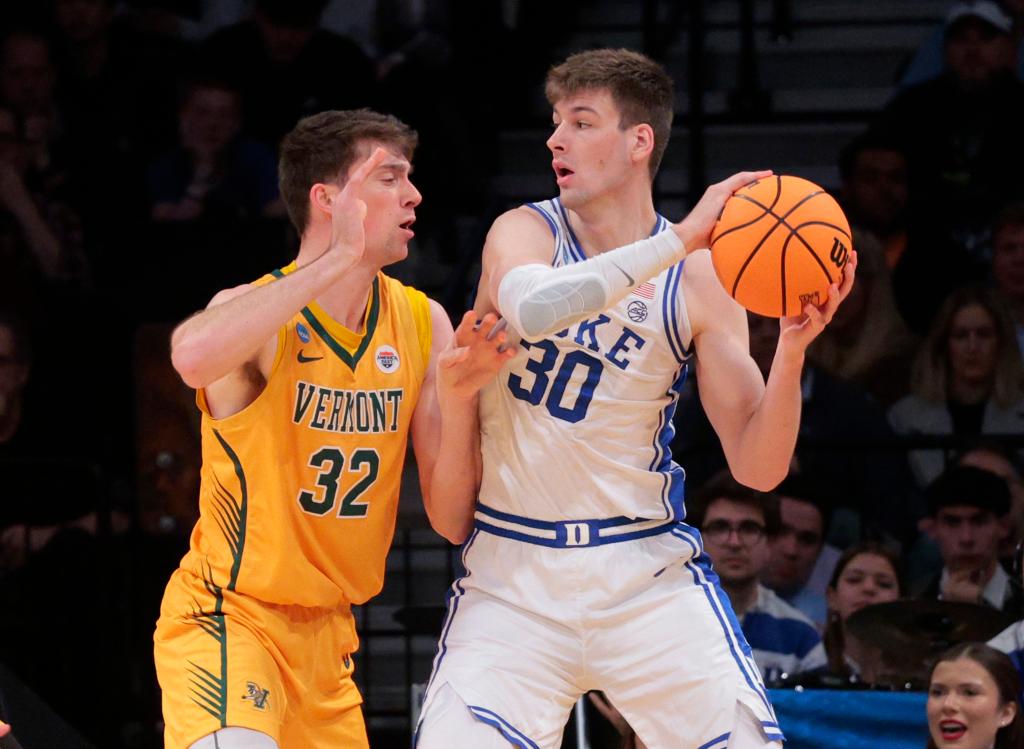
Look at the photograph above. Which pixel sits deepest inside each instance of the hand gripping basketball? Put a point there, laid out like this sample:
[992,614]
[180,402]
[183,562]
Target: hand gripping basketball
[780,245]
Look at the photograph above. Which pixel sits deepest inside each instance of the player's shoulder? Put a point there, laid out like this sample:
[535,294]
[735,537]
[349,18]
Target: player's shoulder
[516,231]
[226,295]
[524,217]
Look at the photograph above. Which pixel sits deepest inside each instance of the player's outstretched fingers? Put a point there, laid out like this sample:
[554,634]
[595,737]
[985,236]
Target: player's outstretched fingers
[849,273]
[365,169]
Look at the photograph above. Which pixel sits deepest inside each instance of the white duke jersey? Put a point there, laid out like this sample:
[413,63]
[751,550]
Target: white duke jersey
[578,424]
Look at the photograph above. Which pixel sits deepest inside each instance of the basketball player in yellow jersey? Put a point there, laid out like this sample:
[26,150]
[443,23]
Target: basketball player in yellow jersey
[310,380]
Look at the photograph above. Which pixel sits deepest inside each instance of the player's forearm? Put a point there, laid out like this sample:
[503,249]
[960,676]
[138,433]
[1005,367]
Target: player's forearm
[539,300]
[223,337]
[769,439]
[455,480]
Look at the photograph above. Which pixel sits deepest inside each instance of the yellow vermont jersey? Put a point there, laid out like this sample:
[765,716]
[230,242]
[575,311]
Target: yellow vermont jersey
[299,490]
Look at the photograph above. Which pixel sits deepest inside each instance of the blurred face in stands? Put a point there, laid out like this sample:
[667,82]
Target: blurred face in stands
[968,537]
[976,52]
[795,551]
[210,119]
[26,74]
[876,191]
[1008,261]
[965,709]
[1004,469]
[867,578]
[83,20]
[972,345]
[734,537]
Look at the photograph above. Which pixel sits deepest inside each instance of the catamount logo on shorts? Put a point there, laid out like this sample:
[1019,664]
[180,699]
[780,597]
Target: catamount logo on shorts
[257,694]
[387,359]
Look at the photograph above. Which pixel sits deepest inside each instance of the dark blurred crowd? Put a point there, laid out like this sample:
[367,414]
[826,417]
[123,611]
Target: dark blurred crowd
[138,177]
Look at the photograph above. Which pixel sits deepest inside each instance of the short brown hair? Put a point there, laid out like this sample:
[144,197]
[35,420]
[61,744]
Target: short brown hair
[639,86]
[723,486]
[322,147]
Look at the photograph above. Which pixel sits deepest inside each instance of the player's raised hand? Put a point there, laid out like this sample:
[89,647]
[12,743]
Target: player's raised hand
[695,229]
[348,211]
[800,330]
[475,355]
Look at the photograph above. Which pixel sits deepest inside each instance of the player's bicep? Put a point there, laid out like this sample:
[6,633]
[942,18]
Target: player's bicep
[729,382]
[518,237]
[730,385]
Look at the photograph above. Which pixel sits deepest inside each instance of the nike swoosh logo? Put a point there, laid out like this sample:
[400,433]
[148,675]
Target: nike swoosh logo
[305,359]
[628,277]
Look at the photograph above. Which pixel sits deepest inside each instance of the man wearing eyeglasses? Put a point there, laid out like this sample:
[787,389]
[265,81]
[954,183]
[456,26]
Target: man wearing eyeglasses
[737,525]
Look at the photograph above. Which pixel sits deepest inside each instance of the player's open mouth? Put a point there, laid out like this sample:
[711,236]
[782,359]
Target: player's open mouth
[952,730]
[407,226]
[562,172]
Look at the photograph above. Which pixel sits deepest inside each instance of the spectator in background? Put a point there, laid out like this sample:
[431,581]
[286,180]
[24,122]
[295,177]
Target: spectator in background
[928,63]
[801,562]
[961,134]
[115,85]
[214,173]
[1008,262]
[873,191]
[973,700]
[866,573]
[867,342]
[739,526]
[286,66]
[45,234]
[991,456]
[967,380]
[967,507]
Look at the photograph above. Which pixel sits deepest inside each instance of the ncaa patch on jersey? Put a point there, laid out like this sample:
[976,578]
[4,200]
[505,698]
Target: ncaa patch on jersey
[387,359]
[301,331]
[637,311]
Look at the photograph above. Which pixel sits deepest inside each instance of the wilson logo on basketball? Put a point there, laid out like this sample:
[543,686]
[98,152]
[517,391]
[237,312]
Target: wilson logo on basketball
[839,253]
[812,298]
[387,359]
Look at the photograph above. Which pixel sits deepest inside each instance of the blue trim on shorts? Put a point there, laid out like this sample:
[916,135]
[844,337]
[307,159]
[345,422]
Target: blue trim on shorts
[568,534]
[455,592]
[707,580]
[719,742]
[510,732]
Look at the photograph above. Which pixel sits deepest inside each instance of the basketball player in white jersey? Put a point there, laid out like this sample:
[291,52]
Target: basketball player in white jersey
[581,573]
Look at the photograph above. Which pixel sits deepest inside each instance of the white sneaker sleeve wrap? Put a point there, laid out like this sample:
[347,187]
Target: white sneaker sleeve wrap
[538,300]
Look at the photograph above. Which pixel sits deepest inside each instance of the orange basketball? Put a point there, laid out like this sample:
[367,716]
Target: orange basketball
[779,243]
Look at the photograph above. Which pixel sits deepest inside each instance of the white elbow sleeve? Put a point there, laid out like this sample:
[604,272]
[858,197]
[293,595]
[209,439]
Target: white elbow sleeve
[539,300]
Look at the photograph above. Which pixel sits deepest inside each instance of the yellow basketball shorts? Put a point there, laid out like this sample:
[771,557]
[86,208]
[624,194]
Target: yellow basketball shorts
[224,659]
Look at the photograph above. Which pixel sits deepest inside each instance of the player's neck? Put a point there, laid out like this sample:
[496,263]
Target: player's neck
[346,299]
[613,220]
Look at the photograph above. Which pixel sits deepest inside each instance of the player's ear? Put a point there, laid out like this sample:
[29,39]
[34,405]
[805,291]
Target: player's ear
[643,141]
[321,196]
